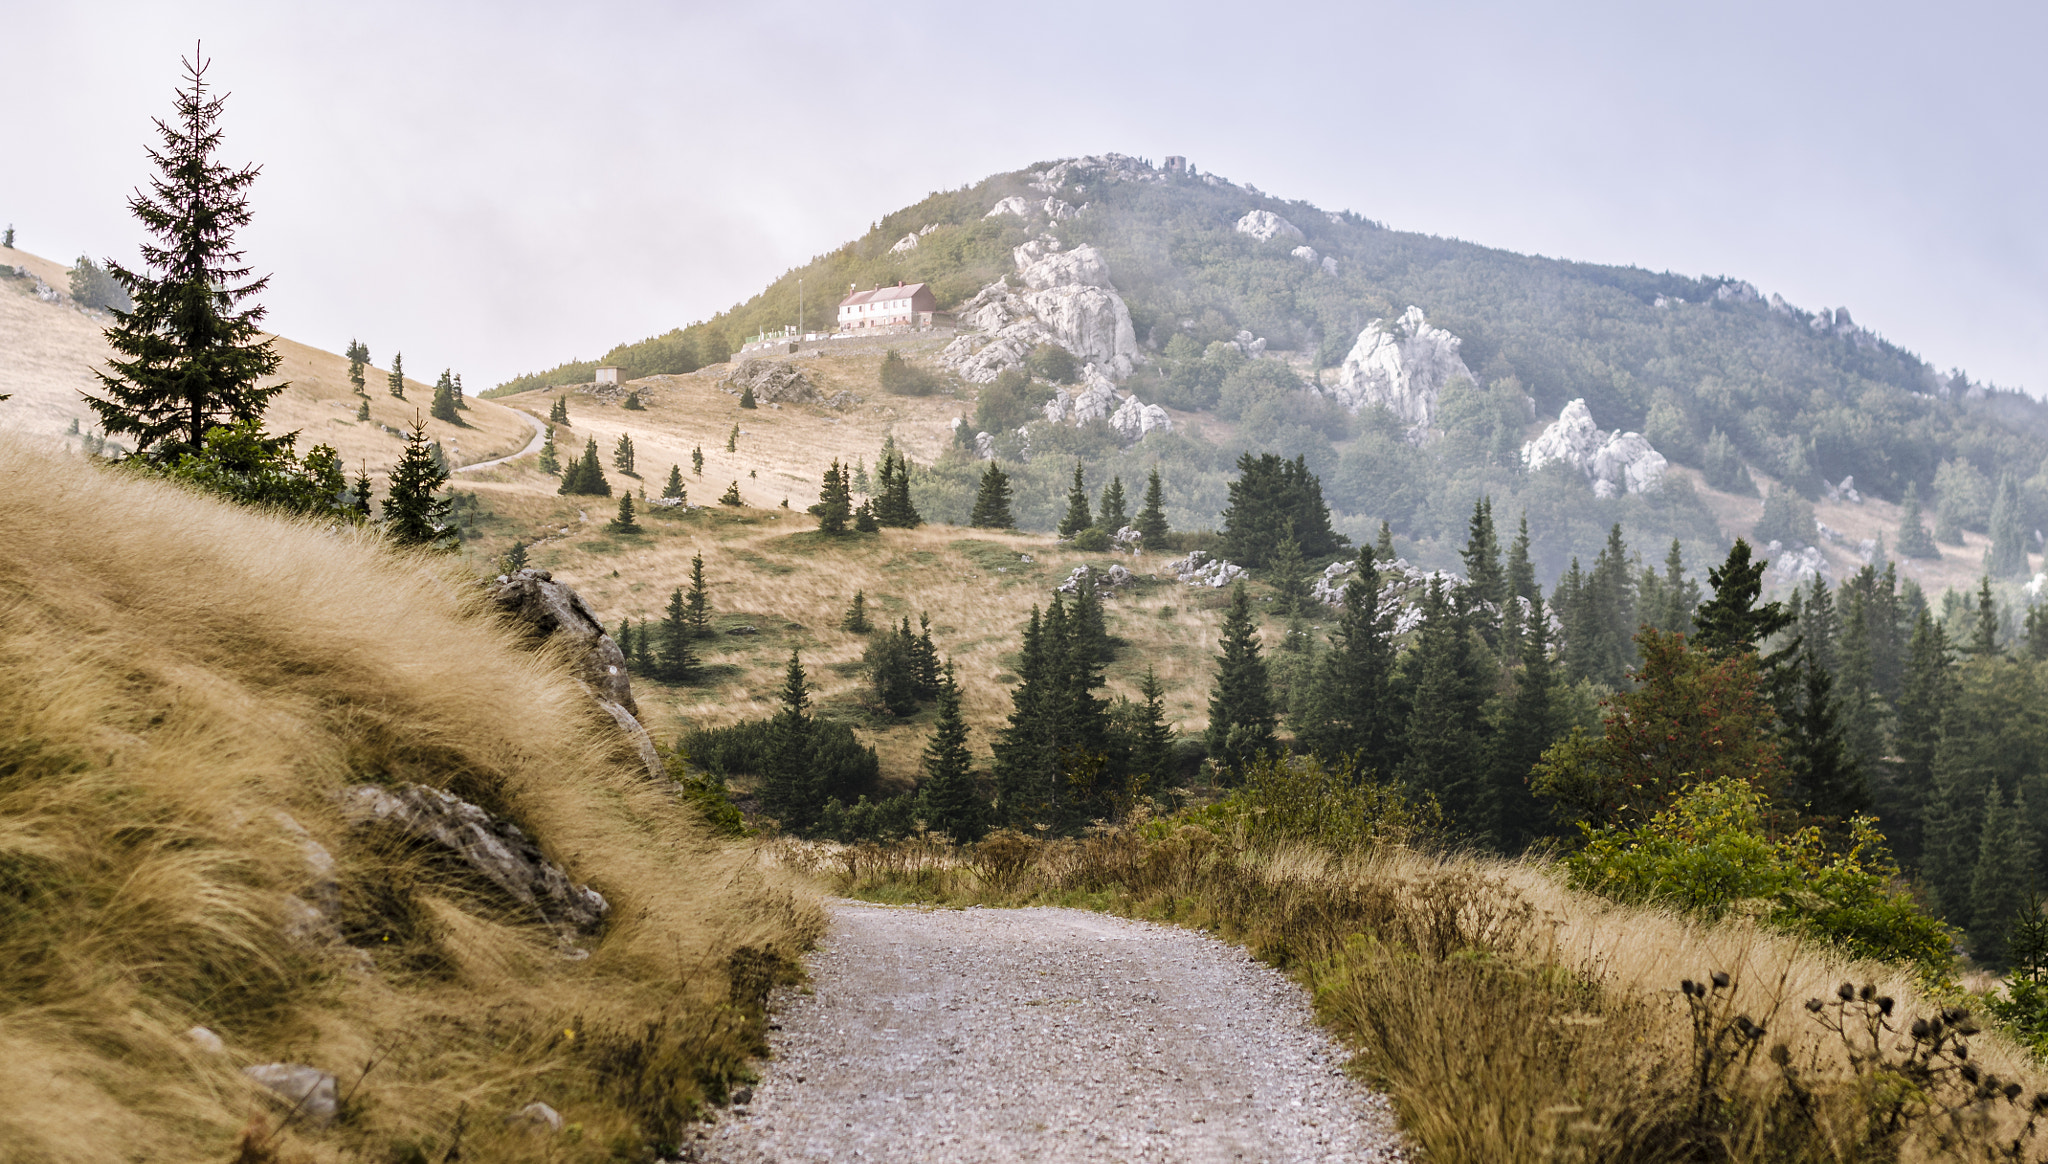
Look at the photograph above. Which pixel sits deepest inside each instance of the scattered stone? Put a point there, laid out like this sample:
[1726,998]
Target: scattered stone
[842,399]
[665,502]
[742,630]
[1402,366]
[309,1091]
[1104,582]
[1199,569]
[1128,539]
[206,1041]
[773,382]
[1845,490]
[495,848]
[538,1117]
[1264,225]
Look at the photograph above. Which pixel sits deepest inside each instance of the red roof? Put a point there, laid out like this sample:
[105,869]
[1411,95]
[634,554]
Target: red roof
[882,295]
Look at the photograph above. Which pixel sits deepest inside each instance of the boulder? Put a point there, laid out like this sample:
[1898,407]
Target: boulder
[1135,418]
[496,849]
[1056,209]
[1265,225]
[1797,567]
[308,1091]
[1306,254]
[1094,399]
[549,611]
[206,1041]
[1067,301]
[538,1117]
[1199,569]
[773,382]
[1329,265]
[1104,582]
[1402,366]
[985,446]
[1615,462]
[1128,539]
[905,244]
[1011,205]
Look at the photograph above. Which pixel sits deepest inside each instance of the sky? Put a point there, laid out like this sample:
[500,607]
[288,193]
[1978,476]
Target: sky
[499,187]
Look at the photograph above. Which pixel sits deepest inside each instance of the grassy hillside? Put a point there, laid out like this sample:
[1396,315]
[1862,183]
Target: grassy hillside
[178,674]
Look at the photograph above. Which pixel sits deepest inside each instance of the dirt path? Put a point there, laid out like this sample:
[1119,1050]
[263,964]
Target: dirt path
[1046,1034]
[540,437]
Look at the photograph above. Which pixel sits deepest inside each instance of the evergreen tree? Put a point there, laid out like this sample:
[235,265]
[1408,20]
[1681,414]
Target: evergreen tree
[396,380]
[1445,739]
[1733,620]
[1114,516]
[1680,594]
[697,606]
[697,460]
[1269,493]
[731,496]
[443,407]
[632,402]
[893,507]
[2037,632]
[359,499]
[558,412]
[1825,780]
[1152,515]
[625,640]
[1383,545]
[1485,581]
[1860,706]
[924,657]
[622,455]
[951,803]
[7,238]
[1519,576]
[643,650]
[864,519]
[1950,837]
[1241,719]
[515,558]
[835,504]
[992,501]
[1352,714]
[413,516]
[624,522]
[1077,517]
[188,356]
[358,356]
[678,658]
[1914,540]
[550,461]
[732,440]
[1984,631]
[363,410]
[1152,737]
[2003,884]
[460,402]
[674,488]
[1052,757]
[856,620]
[792,792]
[747,397]
[2007,556]
[586,477]
[1532,722]
[1290,579]
[1815,625]
[892,670]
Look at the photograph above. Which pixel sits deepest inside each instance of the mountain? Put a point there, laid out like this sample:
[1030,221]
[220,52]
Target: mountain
[1318,359]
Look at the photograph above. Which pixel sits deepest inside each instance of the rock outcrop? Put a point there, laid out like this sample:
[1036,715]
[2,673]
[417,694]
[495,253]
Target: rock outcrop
[1011,205]
[1790,567]
[1402,590]
[1265,225]
[1067,300]
[905,244]
[1401,365]
[1306,254]
[494,848]
[1199,569]
[308,1091]
[1134,418]
[548,610]
[773,382]
[1615,462]
[1104,582]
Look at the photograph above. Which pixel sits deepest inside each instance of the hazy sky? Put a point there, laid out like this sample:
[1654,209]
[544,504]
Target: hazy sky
[498,187]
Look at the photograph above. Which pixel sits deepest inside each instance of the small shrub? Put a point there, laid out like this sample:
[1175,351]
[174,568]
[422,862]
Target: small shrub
[1091,541]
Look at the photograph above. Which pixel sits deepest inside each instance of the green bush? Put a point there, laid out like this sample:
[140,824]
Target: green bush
[903,378]
[1091,540]
[1710,854]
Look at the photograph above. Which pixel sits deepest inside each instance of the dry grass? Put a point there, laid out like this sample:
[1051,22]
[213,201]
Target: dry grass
[177,672]
[1509,1017]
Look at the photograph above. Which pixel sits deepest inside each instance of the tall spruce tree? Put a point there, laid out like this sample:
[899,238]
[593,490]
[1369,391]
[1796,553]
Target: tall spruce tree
[1984,630]
[1152,737]
[624,522]
[2002,887]
[622,455]
[586,477]
[698,604]
[395,382]
[697,460]
[892,505]
[950,801]
[835,501]
[856,620]
[558,412]
[673,490]
[1241,718]
[678,658]
[992,500]
[413,516]
[1112,515]
[1289,575]
[1950,837]
[1152,514]
[1532,722]
[1077,516]
[1268,494]
[792,792]
[1904,802]
[1485,580]
[190,354]
[1446,741]
[443,407]
[1352,713]
[550,461]
[1826,782]
[2007,556]
[358,356]
[1734,620]
[1914,540]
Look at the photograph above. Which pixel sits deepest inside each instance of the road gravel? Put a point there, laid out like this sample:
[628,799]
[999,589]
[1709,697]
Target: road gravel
[1045,1034]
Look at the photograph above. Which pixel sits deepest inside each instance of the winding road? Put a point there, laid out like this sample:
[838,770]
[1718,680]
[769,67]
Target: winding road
[540,436]
[1045,1035]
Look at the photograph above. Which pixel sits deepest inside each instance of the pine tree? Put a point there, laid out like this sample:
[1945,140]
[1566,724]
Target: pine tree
[1027,749]
[2007,556]
[632,402]
[2037,632]
[515,558]
[674,488]
[856,620]
[363,410]
[678,658]
[698,605]
[892,670]
[1445,743]
[359,499]
[951,803]
[864,519]
[1152,515]
[1914,540]
[358,356]
[992,501]
[731,496]
[924,657]
[395,382]
[1733,621]
[732,440]
[558,412]
[1269,493]
[413,516]
[7,238]
[835,501]
[2003,884]
[1152,737]
[1532,722]
[1351,712]
[893,506]
[1485,581]
[1950,837]
[1984,631]
[1290,578]
[1383,545]
[643,651]
[1077,517]
[188,356]
[697,460]
[443,407]
[1241,719]
[1113,513]
[550,461]
[624,522]
[622,455]
[460,402]
[586,477]
[860,475]
[1825,780]
[792,793]
[747,397]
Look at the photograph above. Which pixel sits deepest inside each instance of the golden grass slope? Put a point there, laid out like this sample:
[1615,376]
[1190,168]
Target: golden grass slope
[48,352]
[174,674]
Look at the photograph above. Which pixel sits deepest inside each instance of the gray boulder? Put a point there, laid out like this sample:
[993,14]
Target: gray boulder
[495,848]
[773,382]
[548,610]
[309,1091]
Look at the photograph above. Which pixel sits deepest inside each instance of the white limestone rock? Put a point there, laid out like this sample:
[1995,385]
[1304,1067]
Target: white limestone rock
[985,446]
[1011,205]
[1402,366]
[1615,462]
[1790,567]
[1329,265]
[1265,225]
[1128,539]
[1306,254]
[1057,209]
[904,245]
[1135,419]
[1070,293]
[308,1091]
[1199,569]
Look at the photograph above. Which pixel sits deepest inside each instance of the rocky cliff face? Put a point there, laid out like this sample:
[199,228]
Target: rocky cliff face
[1615,462]
[1068,300]
[1264,225]
[1402,366]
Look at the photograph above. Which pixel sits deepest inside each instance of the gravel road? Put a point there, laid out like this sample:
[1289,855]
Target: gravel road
[1045,1034]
